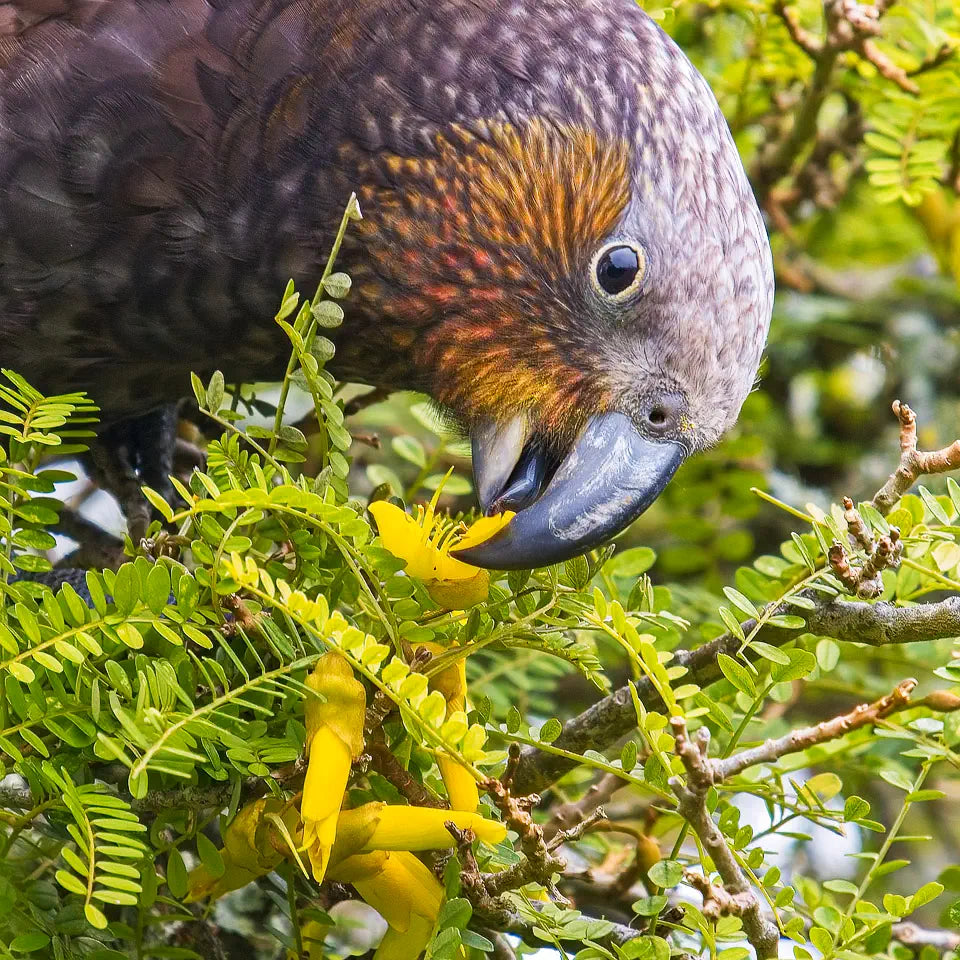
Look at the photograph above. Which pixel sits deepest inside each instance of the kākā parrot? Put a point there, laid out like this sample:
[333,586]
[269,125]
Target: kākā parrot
[559,242]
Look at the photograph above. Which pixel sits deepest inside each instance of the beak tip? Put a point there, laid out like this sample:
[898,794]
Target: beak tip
[613,474]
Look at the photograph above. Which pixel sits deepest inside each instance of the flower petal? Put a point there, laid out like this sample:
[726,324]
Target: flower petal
[461,786]
[406,945]
[419,828]
[484,528]
[326,781]
[361,866]
[455,593]
[334,720]
[404,538]
[402,889]
[248,850]
[452,683]
[340,702]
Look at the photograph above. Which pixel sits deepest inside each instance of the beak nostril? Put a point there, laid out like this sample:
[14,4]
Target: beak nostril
[661,415]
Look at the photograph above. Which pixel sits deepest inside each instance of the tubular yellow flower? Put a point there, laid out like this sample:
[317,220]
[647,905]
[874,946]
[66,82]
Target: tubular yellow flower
[425,542]
[407,895]
[377,826]
[452,683]
[249,850]
[312,935]
[334,722]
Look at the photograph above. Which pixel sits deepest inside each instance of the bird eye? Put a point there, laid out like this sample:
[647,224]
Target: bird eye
[618,269]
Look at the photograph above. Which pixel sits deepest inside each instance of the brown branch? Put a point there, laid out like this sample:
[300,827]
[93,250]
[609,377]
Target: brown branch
[910,935]
[567,815]
[377,395]
[737,895]
[493,911]
[933,60]
[850,27]
[866,714]
[538,863]
[777,157]
[613,717]
[489,909]
[804,39]
[864,580]
[914,463]
[391,769]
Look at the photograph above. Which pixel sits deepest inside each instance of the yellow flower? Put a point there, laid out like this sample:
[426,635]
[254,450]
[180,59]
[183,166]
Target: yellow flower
[249,850]
[312,935]
[403,891]
[334,741]
[452,683]
[376,826]
[425,542]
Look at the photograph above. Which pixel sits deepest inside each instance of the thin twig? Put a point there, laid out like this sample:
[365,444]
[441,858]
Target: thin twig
[910,935]
[864,715]
[567,815]
[914,463]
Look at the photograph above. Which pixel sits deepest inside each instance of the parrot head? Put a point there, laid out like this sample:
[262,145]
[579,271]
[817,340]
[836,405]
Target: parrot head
[581,276]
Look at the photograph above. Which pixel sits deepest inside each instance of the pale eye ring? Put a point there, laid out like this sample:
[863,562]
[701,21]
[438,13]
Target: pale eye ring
[617,270]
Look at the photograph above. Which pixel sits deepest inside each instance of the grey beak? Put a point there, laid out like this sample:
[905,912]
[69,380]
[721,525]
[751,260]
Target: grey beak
[612,474]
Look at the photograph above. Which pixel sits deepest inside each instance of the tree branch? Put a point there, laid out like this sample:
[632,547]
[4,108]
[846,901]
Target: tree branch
[852,621]
[866,714]
[737,896]
[849,27]
[910,935]
[914,463]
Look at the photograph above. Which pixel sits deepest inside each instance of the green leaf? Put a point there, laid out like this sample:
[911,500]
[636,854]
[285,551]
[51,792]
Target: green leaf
[337,285]
[933,505]
[210,856]
[841,886]
[410,449]
[631,563]
[731,623]
[156,591]
[666,873]
[745,606]
[737,674]
[551,730]
[29,942]
[215,392]
[176,874]
[769,652]
[69,882]
[855,808]
[929,891]
[897,778]
[801,663]
[787,622]
[95,917]
[455,913]
[828,654]
[650,906]
[952,914]
[161,505]
[470,938]
[198,390]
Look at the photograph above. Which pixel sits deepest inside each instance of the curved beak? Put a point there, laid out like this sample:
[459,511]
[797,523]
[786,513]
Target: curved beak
[612,474]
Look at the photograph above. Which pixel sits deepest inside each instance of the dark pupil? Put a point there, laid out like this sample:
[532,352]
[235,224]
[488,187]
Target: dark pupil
[617,269]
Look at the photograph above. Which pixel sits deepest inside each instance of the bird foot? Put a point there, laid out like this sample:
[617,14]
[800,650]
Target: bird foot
[135,453]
